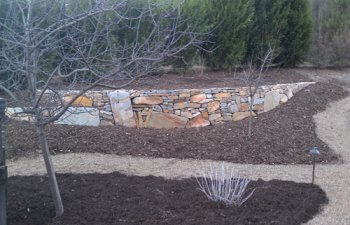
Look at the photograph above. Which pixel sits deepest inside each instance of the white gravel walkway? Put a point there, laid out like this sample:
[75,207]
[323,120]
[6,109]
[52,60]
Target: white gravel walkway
[333,127]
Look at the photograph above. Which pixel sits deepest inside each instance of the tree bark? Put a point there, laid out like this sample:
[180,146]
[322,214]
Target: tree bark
[250,117]
[55,192]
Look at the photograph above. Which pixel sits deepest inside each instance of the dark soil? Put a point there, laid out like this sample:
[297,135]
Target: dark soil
[282,136]
[97,199]
[191,79]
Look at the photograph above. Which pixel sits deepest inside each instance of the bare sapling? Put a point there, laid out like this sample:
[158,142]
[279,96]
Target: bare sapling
[252,75]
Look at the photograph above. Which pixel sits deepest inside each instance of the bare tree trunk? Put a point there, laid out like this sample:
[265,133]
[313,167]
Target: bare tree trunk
[250,118]
[50,171]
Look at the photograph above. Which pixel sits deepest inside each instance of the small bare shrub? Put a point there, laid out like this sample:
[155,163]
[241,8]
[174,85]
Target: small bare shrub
[219,186]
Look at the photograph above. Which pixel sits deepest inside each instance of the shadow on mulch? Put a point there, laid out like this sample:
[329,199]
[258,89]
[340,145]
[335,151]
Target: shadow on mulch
[118,199]
[281,136]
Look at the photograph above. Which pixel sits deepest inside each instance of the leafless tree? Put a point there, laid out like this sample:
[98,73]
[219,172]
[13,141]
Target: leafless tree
[45,43]
[252,76]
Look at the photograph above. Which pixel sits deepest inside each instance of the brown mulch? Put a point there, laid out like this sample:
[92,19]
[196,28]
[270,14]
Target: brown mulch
[281,136]
[211,79]
[118,199]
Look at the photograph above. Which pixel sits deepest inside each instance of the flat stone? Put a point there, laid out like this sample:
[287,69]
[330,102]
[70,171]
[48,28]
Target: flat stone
[205,115]
[194,105]
[241,115]
[215,116]
[180,105]
[198,121]
[166,120]
[233,108]
[184,95]
[148,100]
[122,109]
[16,114]
[259,107]
[244,107]
[206,101]
[198,98]
[186,114]
[82,101]
[173,97]
[258,101]
[213,106]
[80,116]
[272,100]
[223,95]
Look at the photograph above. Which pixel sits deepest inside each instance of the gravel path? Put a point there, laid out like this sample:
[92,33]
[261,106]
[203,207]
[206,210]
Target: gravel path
[333,127]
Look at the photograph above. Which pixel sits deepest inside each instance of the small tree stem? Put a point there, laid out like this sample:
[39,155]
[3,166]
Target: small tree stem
[51,172]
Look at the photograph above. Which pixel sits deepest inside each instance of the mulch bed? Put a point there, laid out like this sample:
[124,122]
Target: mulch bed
[119,199]
[210,79]
[281,136]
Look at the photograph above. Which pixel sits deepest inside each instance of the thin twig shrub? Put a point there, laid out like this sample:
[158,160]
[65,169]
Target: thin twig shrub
[219,186]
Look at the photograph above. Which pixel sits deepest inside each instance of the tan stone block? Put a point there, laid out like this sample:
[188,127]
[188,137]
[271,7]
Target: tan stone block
[180,105]
[80,101]
[184,95]
[259,107]
[198,98]
[213,106]
[148,100]
[173,97]
[198,121]
[241,115]
[166,120]
[194,105]
[223,95]
[205,115]
[186,114]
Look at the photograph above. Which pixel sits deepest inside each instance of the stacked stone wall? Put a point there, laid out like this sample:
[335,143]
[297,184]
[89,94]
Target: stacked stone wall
[180,108]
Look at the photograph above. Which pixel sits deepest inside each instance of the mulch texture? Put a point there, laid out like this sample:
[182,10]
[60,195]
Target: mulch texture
[211,79]
[97,199]
[281,136]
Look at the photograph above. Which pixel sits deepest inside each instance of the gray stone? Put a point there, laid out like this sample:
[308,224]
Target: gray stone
[233,108]
[80,116]
[244,100]
[258,101]
[272,100]
[122,108]
[214,116]
[157,108]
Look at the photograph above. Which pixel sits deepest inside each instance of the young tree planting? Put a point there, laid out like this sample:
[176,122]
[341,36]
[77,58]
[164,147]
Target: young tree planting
[52,45]
[252,76]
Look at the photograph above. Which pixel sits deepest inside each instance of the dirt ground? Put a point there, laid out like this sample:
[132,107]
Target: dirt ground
[119,199]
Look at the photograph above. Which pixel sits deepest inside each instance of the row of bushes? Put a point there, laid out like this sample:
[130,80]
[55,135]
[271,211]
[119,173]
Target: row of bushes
[247,28]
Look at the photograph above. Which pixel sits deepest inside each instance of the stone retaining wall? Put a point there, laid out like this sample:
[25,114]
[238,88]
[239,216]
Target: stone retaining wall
[169,108]
[175,108]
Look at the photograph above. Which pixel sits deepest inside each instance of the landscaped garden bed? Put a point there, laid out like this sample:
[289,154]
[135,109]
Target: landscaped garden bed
[119,199]
[281,136]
